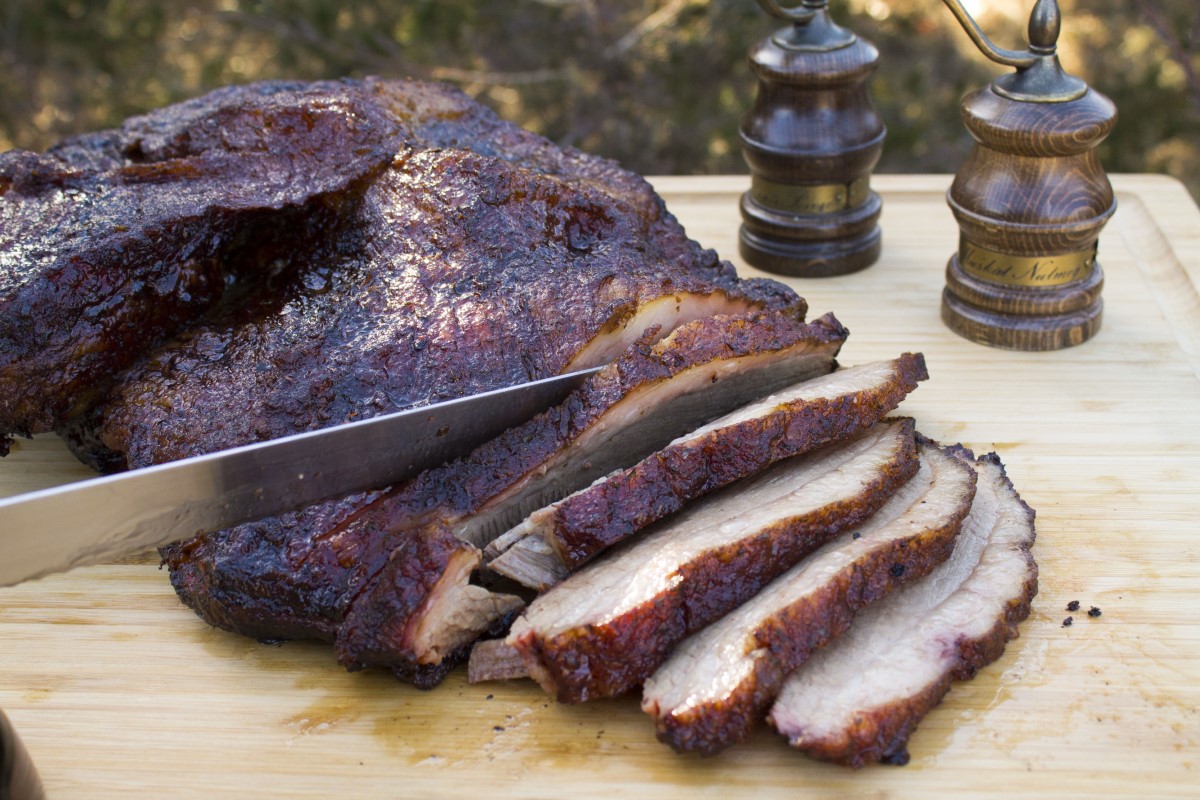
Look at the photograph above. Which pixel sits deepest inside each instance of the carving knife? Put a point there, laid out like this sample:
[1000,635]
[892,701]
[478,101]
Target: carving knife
[54,530]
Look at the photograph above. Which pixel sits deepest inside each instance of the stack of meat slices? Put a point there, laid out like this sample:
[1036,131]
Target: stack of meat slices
[730,568]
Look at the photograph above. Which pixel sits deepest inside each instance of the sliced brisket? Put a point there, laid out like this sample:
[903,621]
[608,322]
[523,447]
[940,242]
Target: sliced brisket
[632,406]
[719,682]
[348,570]
[605,629]
[555,540]
[904,652]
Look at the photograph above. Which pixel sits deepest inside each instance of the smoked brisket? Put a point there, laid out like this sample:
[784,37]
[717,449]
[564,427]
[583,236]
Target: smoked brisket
[352,576]
[720,682]
[605,629]
[905,651]
[556,540]
[281,257]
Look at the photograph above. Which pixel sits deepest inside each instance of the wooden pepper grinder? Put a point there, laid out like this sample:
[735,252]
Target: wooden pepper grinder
[811,140]
[1030,199]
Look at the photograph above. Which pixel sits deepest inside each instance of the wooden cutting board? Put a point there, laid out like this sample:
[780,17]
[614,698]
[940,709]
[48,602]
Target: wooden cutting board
[120,691]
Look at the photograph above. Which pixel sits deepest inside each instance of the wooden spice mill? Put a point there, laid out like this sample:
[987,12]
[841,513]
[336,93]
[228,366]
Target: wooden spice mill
[811,139]
[1030,199]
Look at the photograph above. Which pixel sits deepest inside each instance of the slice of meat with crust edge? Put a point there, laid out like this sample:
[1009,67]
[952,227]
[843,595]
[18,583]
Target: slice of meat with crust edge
[720,682]
[604,630]
[654,392]
[553,541]
[432,611]
[906,650]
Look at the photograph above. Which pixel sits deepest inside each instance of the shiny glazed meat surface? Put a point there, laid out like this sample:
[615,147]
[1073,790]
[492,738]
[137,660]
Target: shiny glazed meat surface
[282,257]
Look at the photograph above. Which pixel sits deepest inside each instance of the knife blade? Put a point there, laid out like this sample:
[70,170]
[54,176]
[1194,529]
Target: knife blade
[57,529]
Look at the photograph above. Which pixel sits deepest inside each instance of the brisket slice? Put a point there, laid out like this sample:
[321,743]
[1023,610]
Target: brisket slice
[553,541]
[719,682]
[605,629]
[103,255]
[904,652]
[332,571]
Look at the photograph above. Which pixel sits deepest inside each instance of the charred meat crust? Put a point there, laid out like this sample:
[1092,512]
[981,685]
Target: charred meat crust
[272,579]
[315,570]
[609,659]
[585,524]
[480,256]
[462,487]
[380,632]
[790,634]
[100,261]
[880,733]
[454,492]
[401,622]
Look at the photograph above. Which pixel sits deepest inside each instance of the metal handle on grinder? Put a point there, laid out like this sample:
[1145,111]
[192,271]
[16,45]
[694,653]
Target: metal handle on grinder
[1039,77]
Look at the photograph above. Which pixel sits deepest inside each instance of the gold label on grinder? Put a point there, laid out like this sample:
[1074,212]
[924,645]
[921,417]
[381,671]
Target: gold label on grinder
[800,199]
[1030,271]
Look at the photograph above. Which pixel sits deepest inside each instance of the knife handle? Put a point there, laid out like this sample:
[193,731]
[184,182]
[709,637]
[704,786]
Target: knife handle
[18,778]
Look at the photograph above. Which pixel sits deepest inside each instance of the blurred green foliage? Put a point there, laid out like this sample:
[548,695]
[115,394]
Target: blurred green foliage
[658,84]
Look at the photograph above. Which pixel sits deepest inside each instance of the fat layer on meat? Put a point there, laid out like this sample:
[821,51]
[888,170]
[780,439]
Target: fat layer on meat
[547,545]
[718,683]
[605,629]
[905,651]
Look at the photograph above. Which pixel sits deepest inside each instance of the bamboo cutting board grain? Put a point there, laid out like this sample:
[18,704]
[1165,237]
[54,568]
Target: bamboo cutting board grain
[120,691]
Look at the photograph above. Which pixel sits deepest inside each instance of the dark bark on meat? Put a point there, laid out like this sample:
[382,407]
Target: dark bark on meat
[285,577]
[610,657]
[781,637]
[100,261]
[594,519]
[956,646]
